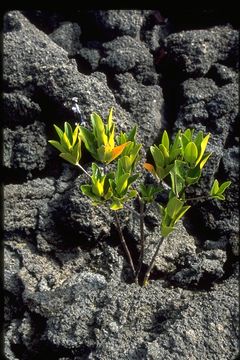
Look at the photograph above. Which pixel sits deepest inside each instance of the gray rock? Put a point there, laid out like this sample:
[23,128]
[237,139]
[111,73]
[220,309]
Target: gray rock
[12,266]
[88,223]
[90,56]
[202,268]
[67,35]
[223,74]
[213,109]
[119,22]
[23,204]
[26,147]
[185,337]
[125,54]
[19,110]
[71,309]
[127,321]
[30,64]
[195,51]
[154,38]
[145,104]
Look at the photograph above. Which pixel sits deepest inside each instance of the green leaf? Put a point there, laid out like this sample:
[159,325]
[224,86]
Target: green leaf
[198,140]
[181,213]
[215,188]
[76,151]
[203,148]
[122,183]
[99,129]
[166,230]
[176,143]
[101,152]
[191,153]
[66,143]
[132,179]
[164,151]
[204,160]
[165,140]
[57,145]
[109,122]
[174,205]
[89,141]
[132,194]
[224,186]
[68,131]
[116,205]
[59,131]
[86,190]
[174,154]
[75,135]
[97,187]
[157,156]
[218,197]
[68,157]
[132,134]
[188,134]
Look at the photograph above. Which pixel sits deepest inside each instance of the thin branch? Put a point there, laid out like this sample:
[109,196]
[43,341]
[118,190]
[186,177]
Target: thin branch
[146,277]
[132,210]
[85,172]
[124,243]
[142,239]
[205,197]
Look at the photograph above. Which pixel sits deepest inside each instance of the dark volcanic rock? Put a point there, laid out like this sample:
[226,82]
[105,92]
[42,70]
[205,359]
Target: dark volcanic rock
[19,109]
[67,35]
[30,64]
[87,308]
[69,288]
[25,147]
[125,54]
[119,22]
[145,104]
[213,109]
[194,52]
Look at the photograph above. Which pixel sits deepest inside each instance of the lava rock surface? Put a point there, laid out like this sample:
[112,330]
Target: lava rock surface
[67,284]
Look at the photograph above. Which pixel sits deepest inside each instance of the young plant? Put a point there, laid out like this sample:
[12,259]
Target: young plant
[176,166]
[100,140]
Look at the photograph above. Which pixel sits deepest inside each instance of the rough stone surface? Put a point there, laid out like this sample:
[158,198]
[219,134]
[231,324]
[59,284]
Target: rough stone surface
[69,290]
[119,22]
[19,109]
[68,37]
[208,107]
[125,54]
[25,147]
[145,104]
[206,46]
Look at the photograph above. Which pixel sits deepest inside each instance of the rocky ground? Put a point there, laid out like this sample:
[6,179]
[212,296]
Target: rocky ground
[68,293]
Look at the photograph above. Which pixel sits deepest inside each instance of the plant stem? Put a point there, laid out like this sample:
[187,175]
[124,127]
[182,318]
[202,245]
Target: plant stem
[132,210]
[85,172]
[205,197]
[141,238]
[146,277]
[124,243]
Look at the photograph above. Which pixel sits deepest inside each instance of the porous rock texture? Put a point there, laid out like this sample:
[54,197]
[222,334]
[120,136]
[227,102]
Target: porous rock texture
[68,287]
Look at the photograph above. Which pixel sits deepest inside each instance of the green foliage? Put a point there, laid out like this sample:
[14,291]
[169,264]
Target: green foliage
[113,189]
[149,192]
[69,143]
[100,140]
[179,163]
[217,191]
[183,160]
[171,214]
